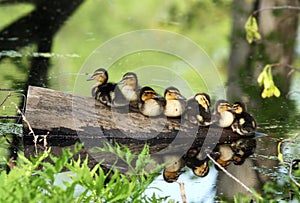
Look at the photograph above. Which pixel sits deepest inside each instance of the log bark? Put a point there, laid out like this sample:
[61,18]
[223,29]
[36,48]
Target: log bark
[66,119]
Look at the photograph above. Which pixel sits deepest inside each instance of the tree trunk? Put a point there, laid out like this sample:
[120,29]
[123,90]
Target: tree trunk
[278,29]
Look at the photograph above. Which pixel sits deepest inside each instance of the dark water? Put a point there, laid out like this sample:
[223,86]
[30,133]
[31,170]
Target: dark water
[259,164]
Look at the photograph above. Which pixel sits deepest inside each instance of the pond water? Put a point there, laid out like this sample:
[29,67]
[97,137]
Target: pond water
[260,165]
[279,118]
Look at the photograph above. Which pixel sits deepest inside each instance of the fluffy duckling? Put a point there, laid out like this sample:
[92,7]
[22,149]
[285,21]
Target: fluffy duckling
[197,162]
[202,170]
[130,89]
[242,149]
[223,115]
[175,102]
[106,92]
[150,103]
[244,123]
[223,154]
[197,109]
[173,171]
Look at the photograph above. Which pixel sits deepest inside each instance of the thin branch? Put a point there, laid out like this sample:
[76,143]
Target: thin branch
[182,191]
[291,92]
[276,8]
[293,67]
[291,175]
[231,176]
[5,99]
[31,132]
[45,142]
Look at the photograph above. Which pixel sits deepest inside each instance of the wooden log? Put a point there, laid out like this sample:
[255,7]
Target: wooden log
[67,118]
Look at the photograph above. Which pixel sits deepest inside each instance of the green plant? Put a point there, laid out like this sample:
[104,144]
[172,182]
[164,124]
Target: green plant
[265,78]
[252,30]
[33,180]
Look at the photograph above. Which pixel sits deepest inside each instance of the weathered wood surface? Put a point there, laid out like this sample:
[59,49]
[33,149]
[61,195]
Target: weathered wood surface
[67,118]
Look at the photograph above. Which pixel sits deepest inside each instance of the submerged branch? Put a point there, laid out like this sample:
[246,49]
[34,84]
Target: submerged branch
[287,7]
[182,191]
[231,176]
[291,175]
[31,132]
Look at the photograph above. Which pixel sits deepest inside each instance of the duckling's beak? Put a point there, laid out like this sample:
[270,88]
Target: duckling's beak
[90,78]
[180,97]
[157,96]
[120,82]
[233,108]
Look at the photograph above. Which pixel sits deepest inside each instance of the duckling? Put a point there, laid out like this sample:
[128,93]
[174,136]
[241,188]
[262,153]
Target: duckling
[223,154]
[106,92]
[244,123]
[197,109]
[173,171]
[223,115]
[150,103]
[175,102]
[197,162]
[242,149]
[202,170]
[130,89]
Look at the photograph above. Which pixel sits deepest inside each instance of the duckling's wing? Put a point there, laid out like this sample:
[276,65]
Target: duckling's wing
[191,110]
[102,94]
[118,99]
[161,100]
[248,126]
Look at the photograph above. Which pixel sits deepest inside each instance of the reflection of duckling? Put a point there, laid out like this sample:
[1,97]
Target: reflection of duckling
[175,102]
[202,170]
[197,162]
[130,89]
[173,171]
[244,123]
[106,92]
[223,115]
[242,149]
[197,110]
[150,103]
[223,154]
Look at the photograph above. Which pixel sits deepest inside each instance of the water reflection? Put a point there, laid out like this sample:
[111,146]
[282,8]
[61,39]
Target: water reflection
[233,151]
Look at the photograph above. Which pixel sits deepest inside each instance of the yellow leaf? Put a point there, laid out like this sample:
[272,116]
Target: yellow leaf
[276,91]
[279,155]
[261,78]
[251,28]
[263,94]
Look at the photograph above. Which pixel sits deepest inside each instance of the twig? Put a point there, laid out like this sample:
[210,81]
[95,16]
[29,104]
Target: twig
[182,191]
[292,92]
[291,175]
[231,176]
[17,95]
[276,8]
[5,99]
[31,132]
[45,142]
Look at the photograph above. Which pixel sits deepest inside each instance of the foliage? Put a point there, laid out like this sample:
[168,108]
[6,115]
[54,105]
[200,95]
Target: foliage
[265,78]
[33,180]
[281,189]
[11,128]
[252,30]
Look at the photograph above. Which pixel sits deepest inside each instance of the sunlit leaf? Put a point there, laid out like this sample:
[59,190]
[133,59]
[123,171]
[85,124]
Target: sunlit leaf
[265,78]
[279,155]
[276,92]
[251,28]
